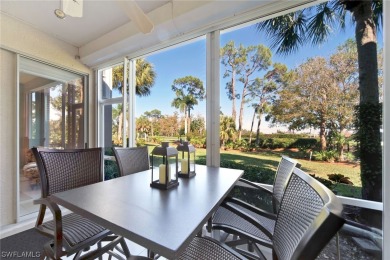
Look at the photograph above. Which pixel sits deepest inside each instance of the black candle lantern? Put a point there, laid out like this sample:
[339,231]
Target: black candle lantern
[167,167]
[187,169]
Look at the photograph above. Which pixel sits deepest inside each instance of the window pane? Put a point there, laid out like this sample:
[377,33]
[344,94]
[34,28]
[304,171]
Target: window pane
[112,82]
[113,125]
[113,136]
[170,99]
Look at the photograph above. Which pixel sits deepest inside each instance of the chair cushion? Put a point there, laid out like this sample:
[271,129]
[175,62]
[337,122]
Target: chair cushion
[76,229]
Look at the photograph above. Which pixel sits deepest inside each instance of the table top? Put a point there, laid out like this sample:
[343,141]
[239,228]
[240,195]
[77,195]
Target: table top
[164,221]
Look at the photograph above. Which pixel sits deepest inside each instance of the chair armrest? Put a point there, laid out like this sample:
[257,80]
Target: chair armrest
[251,208]
[253,185]
[254,194]
[57,218]
[247,217]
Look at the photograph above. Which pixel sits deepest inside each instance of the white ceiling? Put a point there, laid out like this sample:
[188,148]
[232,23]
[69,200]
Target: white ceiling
[105,32]
[99,18]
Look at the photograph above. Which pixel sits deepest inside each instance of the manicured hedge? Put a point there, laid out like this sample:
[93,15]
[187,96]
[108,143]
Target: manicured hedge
[288,142]
[251,173]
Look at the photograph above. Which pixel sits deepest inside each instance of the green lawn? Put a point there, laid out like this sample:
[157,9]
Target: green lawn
[261,167]
[268,163]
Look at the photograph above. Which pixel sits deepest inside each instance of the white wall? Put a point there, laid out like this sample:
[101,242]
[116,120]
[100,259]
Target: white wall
[17,37]
[7,136]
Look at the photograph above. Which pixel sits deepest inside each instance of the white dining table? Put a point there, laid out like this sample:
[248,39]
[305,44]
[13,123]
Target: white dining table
[163,221]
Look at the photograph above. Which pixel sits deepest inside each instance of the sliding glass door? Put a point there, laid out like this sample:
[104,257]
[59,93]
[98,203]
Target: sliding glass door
[52,114]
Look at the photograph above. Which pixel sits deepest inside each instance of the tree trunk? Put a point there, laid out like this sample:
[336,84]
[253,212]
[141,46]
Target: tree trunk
[189,120]
[341,151]
[322,136]
[258,129]
[241,116]
[234,113]
[185,123]
[253,120]
[369,108]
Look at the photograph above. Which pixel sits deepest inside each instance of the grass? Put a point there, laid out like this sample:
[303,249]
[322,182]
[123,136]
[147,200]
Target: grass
[266,162]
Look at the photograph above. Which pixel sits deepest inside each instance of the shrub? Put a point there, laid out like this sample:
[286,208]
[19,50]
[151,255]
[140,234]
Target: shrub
[304,143]
[240,144]
[288,142]
[328,156]
[156,139]
[339,178]
[350,157]
[324,181]
[273,143]
[140,142]
[229,146]
[110,170]
[198,142]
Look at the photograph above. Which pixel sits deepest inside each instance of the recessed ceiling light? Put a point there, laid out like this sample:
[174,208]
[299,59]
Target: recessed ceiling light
[59,13]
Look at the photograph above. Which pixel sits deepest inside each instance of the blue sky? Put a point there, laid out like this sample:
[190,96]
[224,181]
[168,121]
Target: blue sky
[190,59]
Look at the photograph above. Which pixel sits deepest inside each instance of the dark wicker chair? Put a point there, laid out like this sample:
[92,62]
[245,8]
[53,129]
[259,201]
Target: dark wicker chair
[132,160]
[308,217]
[257,202]
[61,170]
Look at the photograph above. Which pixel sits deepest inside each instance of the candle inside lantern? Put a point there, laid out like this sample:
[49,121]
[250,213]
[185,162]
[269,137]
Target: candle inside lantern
[184,166]
[162,174]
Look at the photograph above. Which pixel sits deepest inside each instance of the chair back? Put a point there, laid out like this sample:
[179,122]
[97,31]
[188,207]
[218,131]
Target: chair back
[283,173]
[309,216]
[61,170]
[132,160]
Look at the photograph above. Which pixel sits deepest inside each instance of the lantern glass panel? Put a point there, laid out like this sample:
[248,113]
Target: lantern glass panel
[187,160]
[164,167]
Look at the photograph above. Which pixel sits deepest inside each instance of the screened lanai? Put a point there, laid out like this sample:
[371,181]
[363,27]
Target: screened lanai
[60,85]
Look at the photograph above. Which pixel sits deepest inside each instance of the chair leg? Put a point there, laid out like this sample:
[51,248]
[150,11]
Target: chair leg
[125,250]
[223,237]
[338,245]
[42,255]
[216,234]
[77,255]
[250,247]
[100,247]
[49,251]
[150,254]
[209,225]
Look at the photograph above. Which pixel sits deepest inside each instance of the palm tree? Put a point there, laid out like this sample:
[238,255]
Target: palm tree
[188,91]
[145,77]
[227,129]
[291,31]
